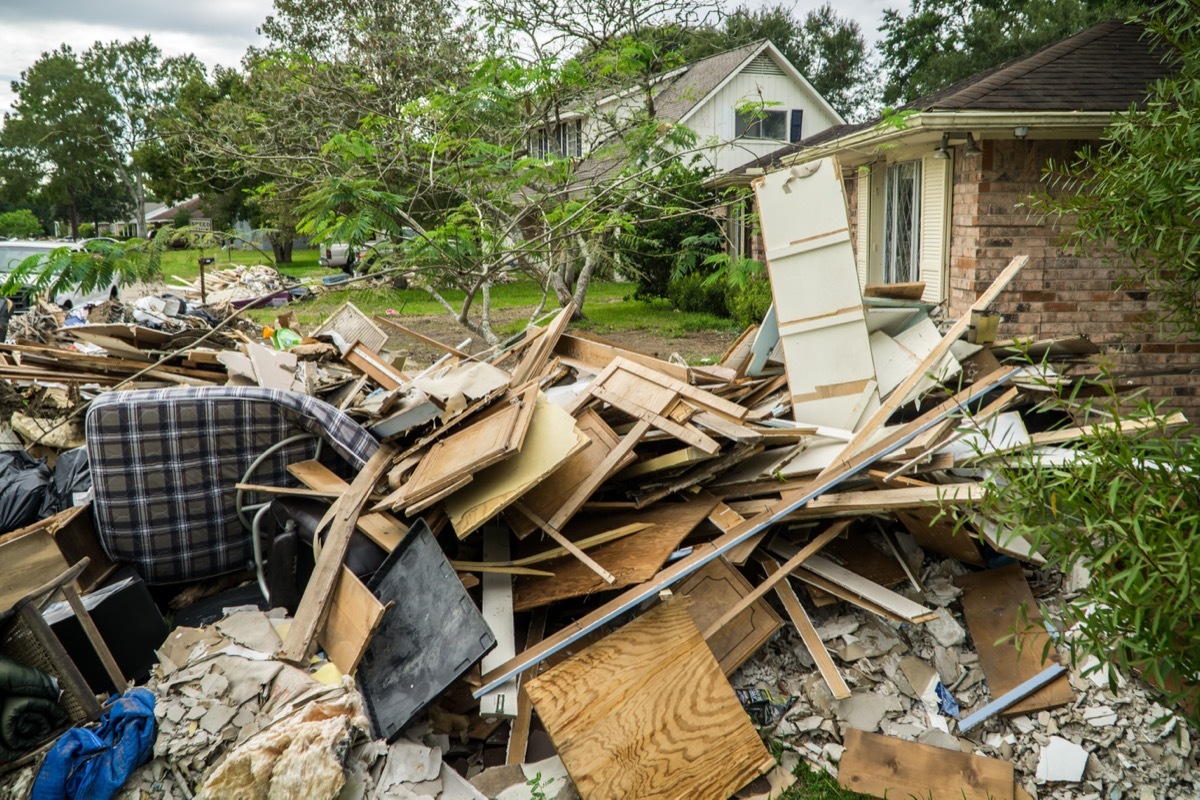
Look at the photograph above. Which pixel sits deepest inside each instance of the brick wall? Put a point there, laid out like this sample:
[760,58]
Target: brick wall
[1059,293]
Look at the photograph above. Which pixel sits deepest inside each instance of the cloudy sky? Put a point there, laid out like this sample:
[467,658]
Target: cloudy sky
[216,31]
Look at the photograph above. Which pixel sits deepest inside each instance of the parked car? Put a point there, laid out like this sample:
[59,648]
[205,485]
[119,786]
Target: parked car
[361,258]
[13,252]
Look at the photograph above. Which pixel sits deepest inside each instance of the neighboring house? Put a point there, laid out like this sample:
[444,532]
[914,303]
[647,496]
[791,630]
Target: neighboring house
[741,104]
[197,209]
[942,200]
[126,227]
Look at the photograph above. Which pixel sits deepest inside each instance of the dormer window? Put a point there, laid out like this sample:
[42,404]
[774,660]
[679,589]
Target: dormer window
[561,139]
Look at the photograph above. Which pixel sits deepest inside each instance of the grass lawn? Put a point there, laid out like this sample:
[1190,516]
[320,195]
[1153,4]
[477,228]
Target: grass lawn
[609,308]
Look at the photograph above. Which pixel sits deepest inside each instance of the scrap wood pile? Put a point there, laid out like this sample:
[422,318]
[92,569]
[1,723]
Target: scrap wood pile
[563,549]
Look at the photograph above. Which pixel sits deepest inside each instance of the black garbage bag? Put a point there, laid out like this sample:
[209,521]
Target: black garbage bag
[72,480]
[24,484]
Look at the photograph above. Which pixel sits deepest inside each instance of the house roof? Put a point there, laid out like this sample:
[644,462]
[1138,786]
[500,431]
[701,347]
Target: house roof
[196,207]
[698,79]
[1108,67]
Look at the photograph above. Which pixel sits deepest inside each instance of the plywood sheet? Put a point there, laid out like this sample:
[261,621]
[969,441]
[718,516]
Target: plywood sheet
[632,559]
[354,614]
[716,587]
[646,712]
[991,603]
[551,440]
[884,766]
[546,498]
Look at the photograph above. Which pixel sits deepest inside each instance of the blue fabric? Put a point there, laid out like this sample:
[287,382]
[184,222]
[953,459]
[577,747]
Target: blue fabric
[94,765]
[946,702]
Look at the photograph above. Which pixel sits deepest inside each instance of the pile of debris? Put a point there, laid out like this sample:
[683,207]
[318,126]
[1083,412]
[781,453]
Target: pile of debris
[563,549]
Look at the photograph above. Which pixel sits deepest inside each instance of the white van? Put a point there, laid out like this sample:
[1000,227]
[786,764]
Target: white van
[13,252]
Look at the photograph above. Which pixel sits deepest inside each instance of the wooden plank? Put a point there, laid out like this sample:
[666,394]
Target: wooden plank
[538,355]
[381,528]
[646,712]
[896,291]
[884,766]
[454,460]
[712,589]
[631,560]
[626,369]
[592,351]
[369,363]
[702,554]
[885,500]
[992,604]
[551,441]
[391,323]
[808,632]
[667,462]
[354,614]
[518,735]
[683,433]
[591,483]
[897,604]
[314,605]
[546,498]
[880,417]
[807,552]
[568,545]
[93,636]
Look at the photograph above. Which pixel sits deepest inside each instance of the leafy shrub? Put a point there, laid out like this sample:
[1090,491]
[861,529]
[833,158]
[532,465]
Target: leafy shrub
[86,230]
[21,224]
[694,292]
[748,303]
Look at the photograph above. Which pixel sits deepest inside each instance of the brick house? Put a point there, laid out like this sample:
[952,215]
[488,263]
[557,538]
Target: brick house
[941,200]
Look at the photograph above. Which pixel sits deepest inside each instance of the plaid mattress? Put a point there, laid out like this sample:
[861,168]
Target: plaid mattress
[165,462]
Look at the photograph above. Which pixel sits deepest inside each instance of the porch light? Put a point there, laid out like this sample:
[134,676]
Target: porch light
[943,150]
[971,149]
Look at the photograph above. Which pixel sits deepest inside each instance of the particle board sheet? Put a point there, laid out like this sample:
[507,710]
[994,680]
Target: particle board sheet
[992,604]
[814,283]
[631,559]
[551,441]
[646,712]
[546,498]
[713,589]
[459,456]
[884,766]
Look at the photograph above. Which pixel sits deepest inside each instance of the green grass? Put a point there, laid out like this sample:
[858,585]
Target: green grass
[609,307]
[815,784]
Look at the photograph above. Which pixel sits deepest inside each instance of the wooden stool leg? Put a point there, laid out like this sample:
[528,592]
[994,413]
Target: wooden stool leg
[93,635]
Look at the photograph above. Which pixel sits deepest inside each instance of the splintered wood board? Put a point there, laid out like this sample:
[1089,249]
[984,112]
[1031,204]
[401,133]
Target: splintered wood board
[484,442]
[546,498]
[716,587]
[631,560]
[884,766]
[28,562]
[354,614]
[814,283]
[646,712]
[597,353]
[991,604]
[552,440]
[935,531]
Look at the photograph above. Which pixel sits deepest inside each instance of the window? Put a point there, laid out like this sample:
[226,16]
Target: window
[561,139]
[761,124]
[901,222]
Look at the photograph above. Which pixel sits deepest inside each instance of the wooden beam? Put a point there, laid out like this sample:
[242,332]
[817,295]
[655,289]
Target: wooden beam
[565,543]
[518,735]
[314,605]
[808,632]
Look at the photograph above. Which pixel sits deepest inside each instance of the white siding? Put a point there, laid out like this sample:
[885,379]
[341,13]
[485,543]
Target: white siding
[935,219]
[714,120]
[862,233]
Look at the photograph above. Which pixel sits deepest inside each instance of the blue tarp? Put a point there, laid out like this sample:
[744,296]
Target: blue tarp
[93,765]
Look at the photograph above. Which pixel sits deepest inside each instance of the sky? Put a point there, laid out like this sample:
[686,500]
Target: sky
[215,31]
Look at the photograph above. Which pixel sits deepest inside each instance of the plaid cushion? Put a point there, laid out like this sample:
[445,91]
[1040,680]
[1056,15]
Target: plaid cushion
[165,462]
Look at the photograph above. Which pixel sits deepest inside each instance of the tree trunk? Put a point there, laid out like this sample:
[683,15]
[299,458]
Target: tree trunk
[281,244]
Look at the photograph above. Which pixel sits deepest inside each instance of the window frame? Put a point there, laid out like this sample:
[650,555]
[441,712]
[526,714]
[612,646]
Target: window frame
[901,256]
[752,124]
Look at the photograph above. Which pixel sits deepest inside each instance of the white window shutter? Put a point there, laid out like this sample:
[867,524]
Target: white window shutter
[935,226]
[862,257]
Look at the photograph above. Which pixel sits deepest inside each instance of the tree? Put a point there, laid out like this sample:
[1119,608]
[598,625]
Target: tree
[21,224]
[827,49]
[144,86]
[1127,508]
[941,41]
[57,132]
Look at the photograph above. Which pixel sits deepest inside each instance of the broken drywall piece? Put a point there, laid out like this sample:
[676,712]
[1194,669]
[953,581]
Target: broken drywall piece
[1061,761]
